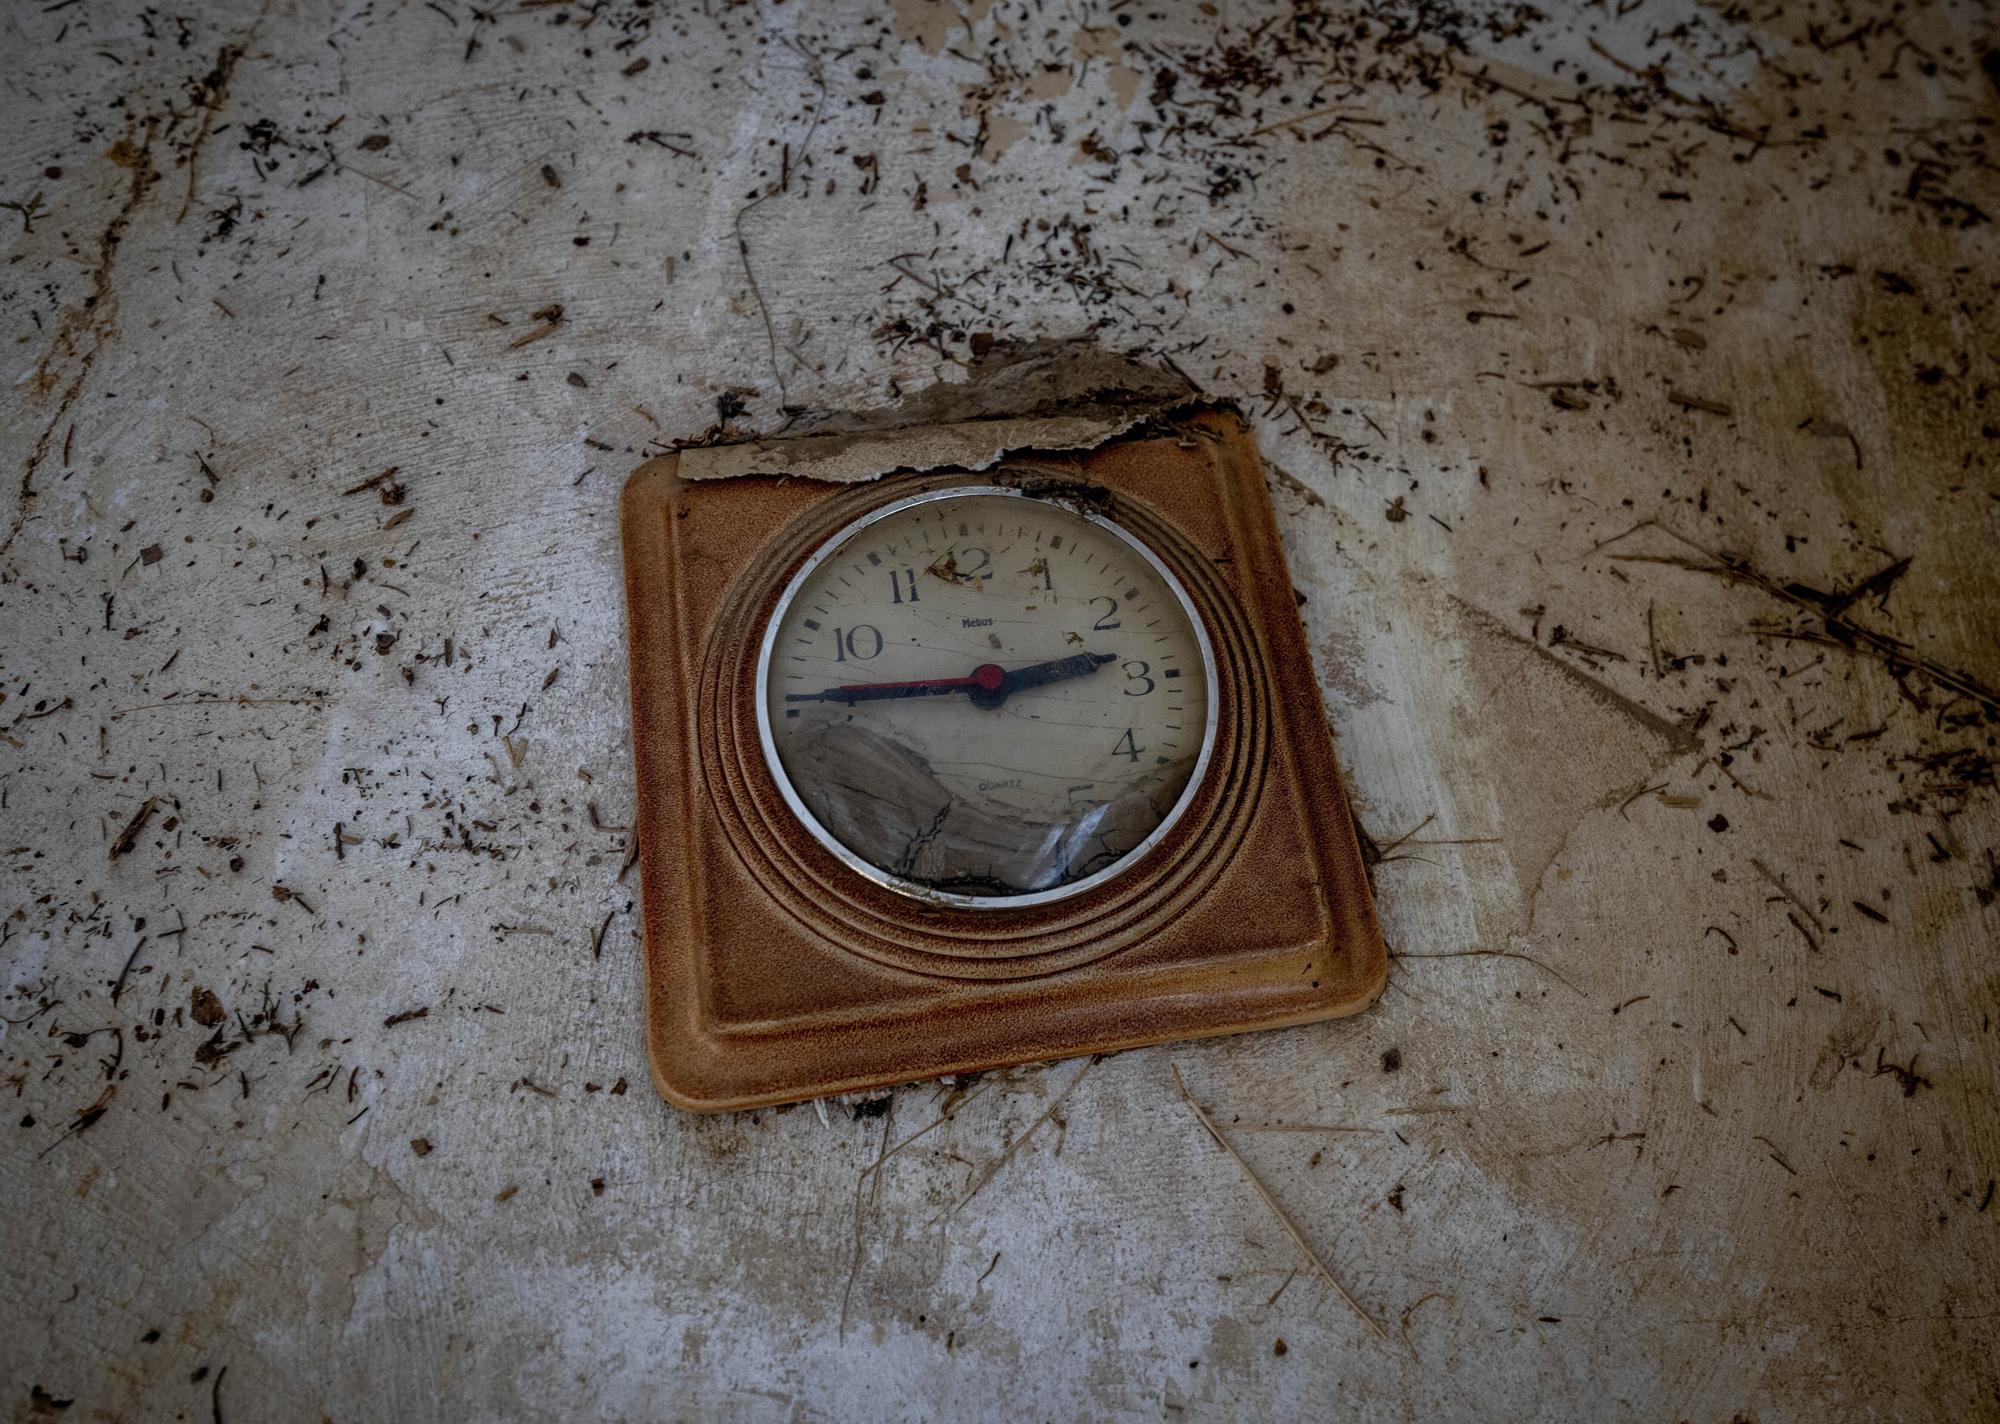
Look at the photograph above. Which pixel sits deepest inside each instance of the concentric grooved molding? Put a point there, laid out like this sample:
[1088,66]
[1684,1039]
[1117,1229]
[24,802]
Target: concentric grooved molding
[949,771]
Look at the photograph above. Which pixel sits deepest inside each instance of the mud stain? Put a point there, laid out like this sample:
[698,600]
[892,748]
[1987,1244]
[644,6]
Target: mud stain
[1679,738]
[87,328]
[1558,745]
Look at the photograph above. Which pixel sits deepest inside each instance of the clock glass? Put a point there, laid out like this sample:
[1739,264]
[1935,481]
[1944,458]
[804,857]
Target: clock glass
[986,698]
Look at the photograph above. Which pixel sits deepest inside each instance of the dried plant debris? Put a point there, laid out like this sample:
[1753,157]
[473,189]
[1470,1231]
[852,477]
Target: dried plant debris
[1651,347]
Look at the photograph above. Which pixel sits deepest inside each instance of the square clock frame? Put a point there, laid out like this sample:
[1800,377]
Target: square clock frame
[774,971]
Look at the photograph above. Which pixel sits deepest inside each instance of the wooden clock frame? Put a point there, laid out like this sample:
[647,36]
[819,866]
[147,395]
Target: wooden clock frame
[774,972]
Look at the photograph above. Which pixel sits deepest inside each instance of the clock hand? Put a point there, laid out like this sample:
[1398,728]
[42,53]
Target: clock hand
[1036,674]
[988,677]
[1040,675]
[988,685]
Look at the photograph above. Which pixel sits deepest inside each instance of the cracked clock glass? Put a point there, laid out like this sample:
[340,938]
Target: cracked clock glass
[986,698]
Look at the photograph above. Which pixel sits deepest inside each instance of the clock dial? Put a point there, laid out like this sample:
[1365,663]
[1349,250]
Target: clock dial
[986,698]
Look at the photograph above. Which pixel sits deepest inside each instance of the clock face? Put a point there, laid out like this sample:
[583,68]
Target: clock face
[985,698]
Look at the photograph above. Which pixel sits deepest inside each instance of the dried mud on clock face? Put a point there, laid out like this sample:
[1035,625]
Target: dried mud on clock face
[882,799]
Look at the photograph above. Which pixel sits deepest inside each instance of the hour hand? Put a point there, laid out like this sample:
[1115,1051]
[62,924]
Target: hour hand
[1057,670]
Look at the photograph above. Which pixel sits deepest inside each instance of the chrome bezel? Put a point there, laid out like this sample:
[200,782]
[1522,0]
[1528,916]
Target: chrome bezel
[911,888]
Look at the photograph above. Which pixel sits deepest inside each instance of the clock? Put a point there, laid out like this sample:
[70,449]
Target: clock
[986,699]
[946,771]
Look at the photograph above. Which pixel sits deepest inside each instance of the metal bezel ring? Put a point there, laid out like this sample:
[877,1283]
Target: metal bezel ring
[913,889]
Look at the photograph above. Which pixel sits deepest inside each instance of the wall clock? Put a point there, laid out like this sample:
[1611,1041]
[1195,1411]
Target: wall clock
[943,772]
